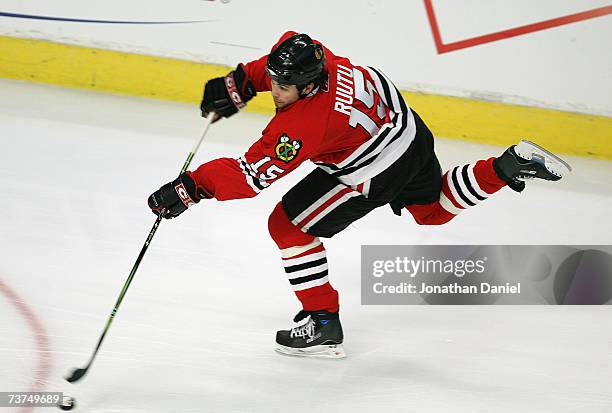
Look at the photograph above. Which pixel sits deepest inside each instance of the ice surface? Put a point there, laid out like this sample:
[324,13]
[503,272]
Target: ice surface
[196,330]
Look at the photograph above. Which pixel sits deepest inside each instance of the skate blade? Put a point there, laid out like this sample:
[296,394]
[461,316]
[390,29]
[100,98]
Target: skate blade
[331,351]
[554,164]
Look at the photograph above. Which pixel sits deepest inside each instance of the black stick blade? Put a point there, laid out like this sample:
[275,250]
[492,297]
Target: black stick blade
[76,375]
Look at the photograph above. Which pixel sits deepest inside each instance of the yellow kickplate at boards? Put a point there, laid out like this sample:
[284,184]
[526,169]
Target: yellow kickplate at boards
[183,81]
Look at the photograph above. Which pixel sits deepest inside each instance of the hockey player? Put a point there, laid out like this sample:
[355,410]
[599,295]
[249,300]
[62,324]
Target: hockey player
[371,149]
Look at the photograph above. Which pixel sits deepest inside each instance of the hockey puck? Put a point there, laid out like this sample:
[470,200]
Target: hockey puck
[67,403]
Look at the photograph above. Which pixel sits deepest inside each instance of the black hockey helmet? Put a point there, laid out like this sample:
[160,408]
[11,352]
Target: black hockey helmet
[296,61]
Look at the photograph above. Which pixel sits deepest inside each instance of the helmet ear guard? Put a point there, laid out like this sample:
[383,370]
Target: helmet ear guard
[296,61]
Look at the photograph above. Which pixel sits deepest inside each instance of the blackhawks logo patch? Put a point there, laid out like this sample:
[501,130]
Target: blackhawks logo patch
[287,149]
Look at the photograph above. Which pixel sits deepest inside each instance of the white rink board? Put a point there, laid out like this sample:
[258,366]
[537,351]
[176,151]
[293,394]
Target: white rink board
[565,67]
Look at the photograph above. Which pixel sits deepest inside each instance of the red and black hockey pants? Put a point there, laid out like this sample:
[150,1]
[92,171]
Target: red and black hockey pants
[320,205]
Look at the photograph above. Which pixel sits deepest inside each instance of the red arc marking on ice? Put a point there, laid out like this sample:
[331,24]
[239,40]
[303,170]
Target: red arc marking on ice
[505,34]
[42,342]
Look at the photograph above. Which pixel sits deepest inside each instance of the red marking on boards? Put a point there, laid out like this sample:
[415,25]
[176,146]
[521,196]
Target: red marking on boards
[505,34]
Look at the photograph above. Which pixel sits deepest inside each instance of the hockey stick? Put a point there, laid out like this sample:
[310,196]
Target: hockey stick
[78,374]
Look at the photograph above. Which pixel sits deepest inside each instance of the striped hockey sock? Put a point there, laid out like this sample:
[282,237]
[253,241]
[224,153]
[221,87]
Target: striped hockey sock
[307,271]
[468,185]
[305,262]
[462,187]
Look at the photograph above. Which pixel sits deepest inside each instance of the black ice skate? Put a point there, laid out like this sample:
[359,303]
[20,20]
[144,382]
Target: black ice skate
[320,336]
[528,161]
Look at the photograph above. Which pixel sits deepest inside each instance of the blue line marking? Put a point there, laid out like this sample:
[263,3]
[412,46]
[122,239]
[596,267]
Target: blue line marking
[65,19]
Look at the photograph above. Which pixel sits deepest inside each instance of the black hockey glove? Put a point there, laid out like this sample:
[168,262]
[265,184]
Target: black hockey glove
[226,95]
[176,196]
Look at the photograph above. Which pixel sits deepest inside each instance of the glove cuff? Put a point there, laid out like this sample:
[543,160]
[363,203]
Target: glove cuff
[239,88]
[246,89]
[232,91]
[196,192]
[185,188]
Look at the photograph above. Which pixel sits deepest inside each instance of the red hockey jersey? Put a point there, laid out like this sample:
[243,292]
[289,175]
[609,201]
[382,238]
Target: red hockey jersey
[354,128]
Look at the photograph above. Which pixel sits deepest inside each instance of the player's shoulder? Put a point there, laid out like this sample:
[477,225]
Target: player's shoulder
[307,115]
[303,124]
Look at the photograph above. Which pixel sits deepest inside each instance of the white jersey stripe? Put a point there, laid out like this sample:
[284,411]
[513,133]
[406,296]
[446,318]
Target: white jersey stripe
[464,187]
[357,152]
[395,96]
[366,188]
[293,251]
[384,144]
[396,109]
[474,182]
[386,153]
[448,205]
[248,178]
[378,84]
[385,159]
[451,186]
[306,258]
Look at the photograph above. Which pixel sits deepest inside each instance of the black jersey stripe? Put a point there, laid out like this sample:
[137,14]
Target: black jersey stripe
[246,167]
[383,79]
[328,165]
[386,89]
[398,134]
[468,183]
[402,102]
[253,179]
[403,130]
[359,162]
[373,145]
[458,188]
[347,171]
[381,137]
[312,277]
[306,265]
[397,131]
